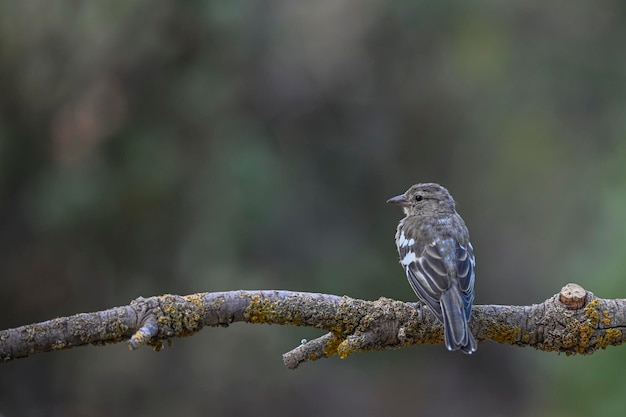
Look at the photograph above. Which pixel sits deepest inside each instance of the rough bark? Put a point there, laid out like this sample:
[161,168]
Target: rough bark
[573,321]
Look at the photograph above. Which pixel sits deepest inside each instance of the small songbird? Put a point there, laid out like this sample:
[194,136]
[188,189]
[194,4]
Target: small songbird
[438,258]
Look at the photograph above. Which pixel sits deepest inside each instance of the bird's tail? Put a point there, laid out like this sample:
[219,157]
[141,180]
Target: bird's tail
[456,331]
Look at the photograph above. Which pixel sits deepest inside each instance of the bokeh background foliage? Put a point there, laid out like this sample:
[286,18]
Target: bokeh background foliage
[153,147]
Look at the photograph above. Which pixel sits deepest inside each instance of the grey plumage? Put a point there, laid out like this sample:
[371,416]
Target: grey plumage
[438,258]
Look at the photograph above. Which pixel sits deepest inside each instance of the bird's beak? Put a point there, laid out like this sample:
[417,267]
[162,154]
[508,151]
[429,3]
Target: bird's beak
[400,200]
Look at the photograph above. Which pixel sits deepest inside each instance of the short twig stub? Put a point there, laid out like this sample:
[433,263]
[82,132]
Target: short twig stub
[573,296]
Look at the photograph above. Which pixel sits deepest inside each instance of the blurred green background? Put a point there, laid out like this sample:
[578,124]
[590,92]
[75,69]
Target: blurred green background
[180,147]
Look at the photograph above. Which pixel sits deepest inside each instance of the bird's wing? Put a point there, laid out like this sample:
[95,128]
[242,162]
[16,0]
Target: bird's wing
[465,263]
[427,273]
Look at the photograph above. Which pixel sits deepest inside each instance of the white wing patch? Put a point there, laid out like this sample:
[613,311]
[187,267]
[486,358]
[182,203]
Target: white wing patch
[409,258]
[403,242]
[472,258]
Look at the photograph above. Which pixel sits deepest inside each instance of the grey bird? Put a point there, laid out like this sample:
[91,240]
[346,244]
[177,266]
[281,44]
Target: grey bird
[438,258]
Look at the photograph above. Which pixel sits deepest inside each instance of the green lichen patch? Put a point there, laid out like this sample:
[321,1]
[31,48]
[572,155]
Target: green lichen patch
[584,336]
[345,349]
[332,345]
[265,311]
[610,337]
[182,315]
[503,334]
[592,313]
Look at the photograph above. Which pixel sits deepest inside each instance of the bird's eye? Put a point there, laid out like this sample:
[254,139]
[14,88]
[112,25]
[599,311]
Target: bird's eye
[419,197]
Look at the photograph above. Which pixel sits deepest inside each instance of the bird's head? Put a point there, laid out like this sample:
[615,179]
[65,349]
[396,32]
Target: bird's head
[425,198]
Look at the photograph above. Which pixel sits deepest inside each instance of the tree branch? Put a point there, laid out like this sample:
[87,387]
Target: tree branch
[573,321]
